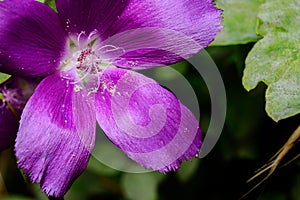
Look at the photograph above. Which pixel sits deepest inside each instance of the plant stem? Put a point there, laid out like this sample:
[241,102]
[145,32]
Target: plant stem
[275,161]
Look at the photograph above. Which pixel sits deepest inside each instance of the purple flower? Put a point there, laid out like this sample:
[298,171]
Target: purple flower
[76,50]
[13,95]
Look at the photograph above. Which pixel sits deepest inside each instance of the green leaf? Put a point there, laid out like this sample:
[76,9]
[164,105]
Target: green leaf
[4,77]
[51,3]
[275,60]
[239,21]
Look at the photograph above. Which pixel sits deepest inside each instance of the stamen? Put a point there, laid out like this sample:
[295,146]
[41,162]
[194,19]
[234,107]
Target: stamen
[92,34]
[87,60]
[79,36]
[110,53]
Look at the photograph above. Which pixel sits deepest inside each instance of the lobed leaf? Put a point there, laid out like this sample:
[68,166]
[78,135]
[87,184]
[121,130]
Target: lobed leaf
[239,21]
[275,59]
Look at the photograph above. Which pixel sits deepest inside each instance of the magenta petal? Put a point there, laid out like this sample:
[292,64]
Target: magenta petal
[89,15]
[149,47]
[56,135]
[164,32]
[32,40]
[146,121]
[198,19]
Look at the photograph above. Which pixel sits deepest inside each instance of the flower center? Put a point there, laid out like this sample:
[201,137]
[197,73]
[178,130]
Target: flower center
[11,99]
[85,62]
[88,63]
[11,96]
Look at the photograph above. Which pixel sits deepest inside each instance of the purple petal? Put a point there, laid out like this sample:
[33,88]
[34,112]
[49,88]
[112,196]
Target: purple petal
[32,40]
[56,135]
[170,30]
[146,121]
[198,19]
[149,47]
[190,20]
[87,15]
[14,92]
[8,127]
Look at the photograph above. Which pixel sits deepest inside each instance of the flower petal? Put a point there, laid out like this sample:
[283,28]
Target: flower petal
[198,19]
[79,16]
[175,27]
[13,95]
[8,128]
[148,47]
[146,121]
[56,135]
[194,20]
[32,40]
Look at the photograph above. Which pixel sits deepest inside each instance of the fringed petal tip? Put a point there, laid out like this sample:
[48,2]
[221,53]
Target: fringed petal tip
[191,153]
[154,129]
[52,184]
[55,138]
[32,177]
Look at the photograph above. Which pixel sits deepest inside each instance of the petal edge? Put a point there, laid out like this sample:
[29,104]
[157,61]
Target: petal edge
[146,121]
[51,148]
